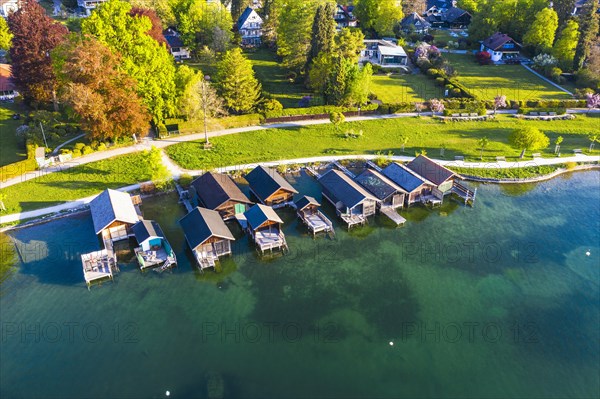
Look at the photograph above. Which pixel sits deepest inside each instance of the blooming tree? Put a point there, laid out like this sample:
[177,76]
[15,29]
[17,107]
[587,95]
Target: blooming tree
[499,102]
[593,100]
[436,105]
[544,60]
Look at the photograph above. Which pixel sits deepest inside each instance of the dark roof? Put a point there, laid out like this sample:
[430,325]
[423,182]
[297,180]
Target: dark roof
[306,201]
[264,182]
[411,19]
[378,184]
[110,206]
[259,214]
[214,189]
[174,41]
[432,171]
[244,16]
[344,188]
[145,229]
[497,40]
[438,3]
[403,177]
[453,13]
[201,224]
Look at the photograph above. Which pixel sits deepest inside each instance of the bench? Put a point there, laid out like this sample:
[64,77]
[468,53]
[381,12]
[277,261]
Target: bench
[543,114]
[577,151]
[464,114]
[533,113]
[459,158]
[536,155]
[455,115]
[552,113]
[501,159]
[473,114]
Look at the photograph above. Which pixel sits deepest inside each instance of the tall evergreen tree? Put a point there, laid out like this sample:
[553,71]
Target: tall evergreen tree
[5,35]
[564,9]
[541,33]
[236,82]
[35,36]
[323,31]
[588,28]
[294,24]
[564,48]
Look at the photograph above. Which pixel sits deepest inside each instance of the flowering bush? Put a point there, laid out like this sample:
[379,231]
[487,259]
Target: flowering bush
[544,60]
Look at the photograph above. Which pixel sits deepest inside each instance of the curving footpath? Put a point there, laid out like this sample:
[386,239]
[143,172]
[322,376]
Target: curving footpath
[176,171]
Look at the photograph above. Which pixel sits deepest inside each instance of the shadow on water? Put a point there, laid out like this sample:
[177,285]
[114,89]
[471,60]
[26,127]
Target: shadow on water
[517,190]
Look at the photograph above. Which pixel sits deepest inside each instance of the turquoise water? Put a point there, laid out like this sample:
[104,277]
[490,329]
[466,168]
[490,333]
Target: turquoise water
[499,300]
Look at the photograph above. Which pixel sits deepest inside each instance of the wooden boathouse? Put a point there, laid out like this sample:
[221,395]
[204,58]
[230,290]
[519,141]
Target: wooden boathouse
[353,204]
[113,214]
[390,196]
[264,226]
[218,192]
[154,250]
[269,187]
[307,209]
[207,235]
[409,181]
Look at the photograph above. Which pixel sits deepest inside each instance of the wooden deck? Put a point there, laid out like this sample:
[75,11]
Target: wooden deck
[269,241]
[206,259]
[464,193]
[152,259]
[97,266]
[318,223]
[344,169]
[393,215]
[353,220]
[184,198]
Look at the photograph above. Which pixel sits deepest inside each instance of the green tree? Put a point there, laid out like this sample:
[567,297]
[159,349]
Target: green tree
[294,24]
[359,84]
[349,43]
[323,31]
[471,6]
[564,48]
[564,9]
[142,57]
[337,81]
[379,15]
[541,33]
[237,84]
[557,143]
[201,24]
[482,143]
[162,8]
[159,174]
[337,118]
[197,95]
[5,35]
[593,139]
[588,28]
[528,138]
[318,75]
[270,13]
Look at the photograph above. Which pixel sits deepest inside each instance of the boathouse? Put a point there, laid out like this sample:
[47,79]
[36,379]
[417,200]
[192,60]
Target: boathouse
[389,194]
[409,181]
[264,226]
[218,192]
[113,214]
[307,209]
[207,235]
[353,204]
[270,187]
[154,249]
[439,175]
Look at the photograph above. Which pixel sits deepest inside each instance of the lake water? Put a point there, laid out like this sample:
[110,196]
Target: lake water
[499,300]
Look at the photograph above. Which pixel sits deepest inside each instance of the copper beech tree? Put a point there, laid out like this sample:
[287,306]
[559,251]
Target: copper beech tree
[103,96]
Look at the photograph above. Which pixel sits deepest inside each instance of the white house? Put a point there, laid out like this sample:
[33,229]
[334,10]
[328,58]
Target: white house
[8,6]
[501,47]
[89,5]
[175,45]
[344,17]
[250,27]
[384,53]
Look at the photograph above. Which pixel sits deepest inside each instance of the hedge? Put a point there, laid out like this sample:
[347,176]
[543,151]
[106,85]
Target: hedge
[559,111]
[19,168]
[227,122]
[322,109]
[574,103]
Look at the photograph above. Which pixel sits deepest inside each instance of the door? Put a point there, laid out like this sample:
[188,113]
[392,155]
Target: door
[240,208]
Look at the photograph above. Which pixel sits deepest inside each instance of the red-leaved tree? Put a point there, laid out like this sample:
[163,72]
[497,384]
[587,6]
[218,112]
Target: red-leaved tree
[483,57]
[157,30]
[35,36]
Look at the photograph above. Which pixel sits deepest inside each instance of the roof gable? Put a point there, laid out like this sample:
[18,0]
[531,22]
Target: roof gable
[259,214]
[306,201]
[453,13]
[430,170]
[378,184]
[497,40]
[111,206]
[249,15]
[214,189]
[264,182]
[145,229]
[344,188]
[403,177]
[201,224]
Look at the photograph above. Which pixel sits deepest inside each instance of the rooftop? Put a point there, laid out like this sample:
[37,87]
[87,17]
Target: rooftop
[214,189]
[145,229]
[306,201]
[264,182]
[201,224]
[344,188]
[110,206]
[378,184]
[259,214]
[432,171]
[403,176]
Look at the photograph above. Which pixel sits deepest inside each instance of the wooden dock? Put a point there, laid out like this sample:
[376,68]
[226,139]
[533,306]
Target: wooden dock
[393,215]
[98,266]
[184,198]
[312,171]
[373,165]
[463,192]
[318,223]
[344,169]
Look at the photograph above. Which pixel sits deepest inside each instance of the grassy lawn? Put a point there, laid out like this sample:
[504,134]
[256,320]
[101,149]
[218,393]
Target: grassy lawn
[11,149]
[398,88]
[78,182]
[274,78]
[513,81]
[380,136]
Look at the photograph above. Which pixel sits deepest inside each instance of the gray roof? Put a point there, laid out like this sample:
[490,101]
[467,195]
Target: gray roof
[201,224]
[412,19]
[403,177]
[214,189]
[145,229]
[432,171]
[344,188]
[453,13]
[306,201]
[264,182]
[378,184]
[498,40]
[259,214]
[110,206]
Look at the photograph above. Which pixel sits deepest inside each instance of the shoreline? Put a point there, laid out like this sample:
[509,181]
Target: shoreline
[83,203]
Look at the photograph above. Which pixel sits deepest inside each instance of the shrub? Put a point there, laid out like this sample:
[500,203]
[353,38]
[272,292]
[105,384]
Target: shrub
[270,105]
[440,81]
[483,57]
[571,165]
[87,150]
[101,147]
[78,146]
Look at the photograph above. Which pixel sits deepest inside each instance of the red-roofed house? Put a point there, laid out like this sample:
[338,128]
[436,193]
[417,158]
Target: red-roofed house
[7,88]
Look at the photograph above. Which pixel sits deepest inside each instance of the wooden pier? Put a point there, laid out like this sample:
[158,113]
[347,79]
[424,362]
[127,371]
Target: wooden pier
[344,169]
[353,219]
[312,171]
[98,266]
[373,165]
[184,198]
[463,192]
[307,209]
[393,215]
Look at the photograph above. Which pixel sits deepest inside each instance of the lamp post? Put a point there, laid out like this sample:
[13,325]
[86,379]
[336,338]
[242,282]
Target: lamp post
[359,110]
[205,81]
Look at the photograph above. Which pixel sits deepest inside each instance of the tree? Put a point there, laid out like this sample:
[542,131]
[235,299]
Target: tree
[162,8]
[499,102]
[323,31]
[566,43]
[593,138]
[588,28]
[295,18]
[528,138]
[592,100]
[379,15]
[199,95]
[238,7]
[337,118]
[5,35]
[102,95]
[349,43]
[270,11]
[557,143]
[471,6]
[159,174]
[203,24]
[403,141]
[35,36]
[236,82]
[436,105]
[564,9]
[156,32]
[337,81]
[482,143]
[143,58]
[410,6]
[483,57]
[319,73]
[541,33]
[419,107]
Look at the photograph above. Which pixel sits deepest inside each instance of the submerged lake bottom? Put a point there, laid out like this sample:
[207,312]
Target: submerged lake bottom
[498,300]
